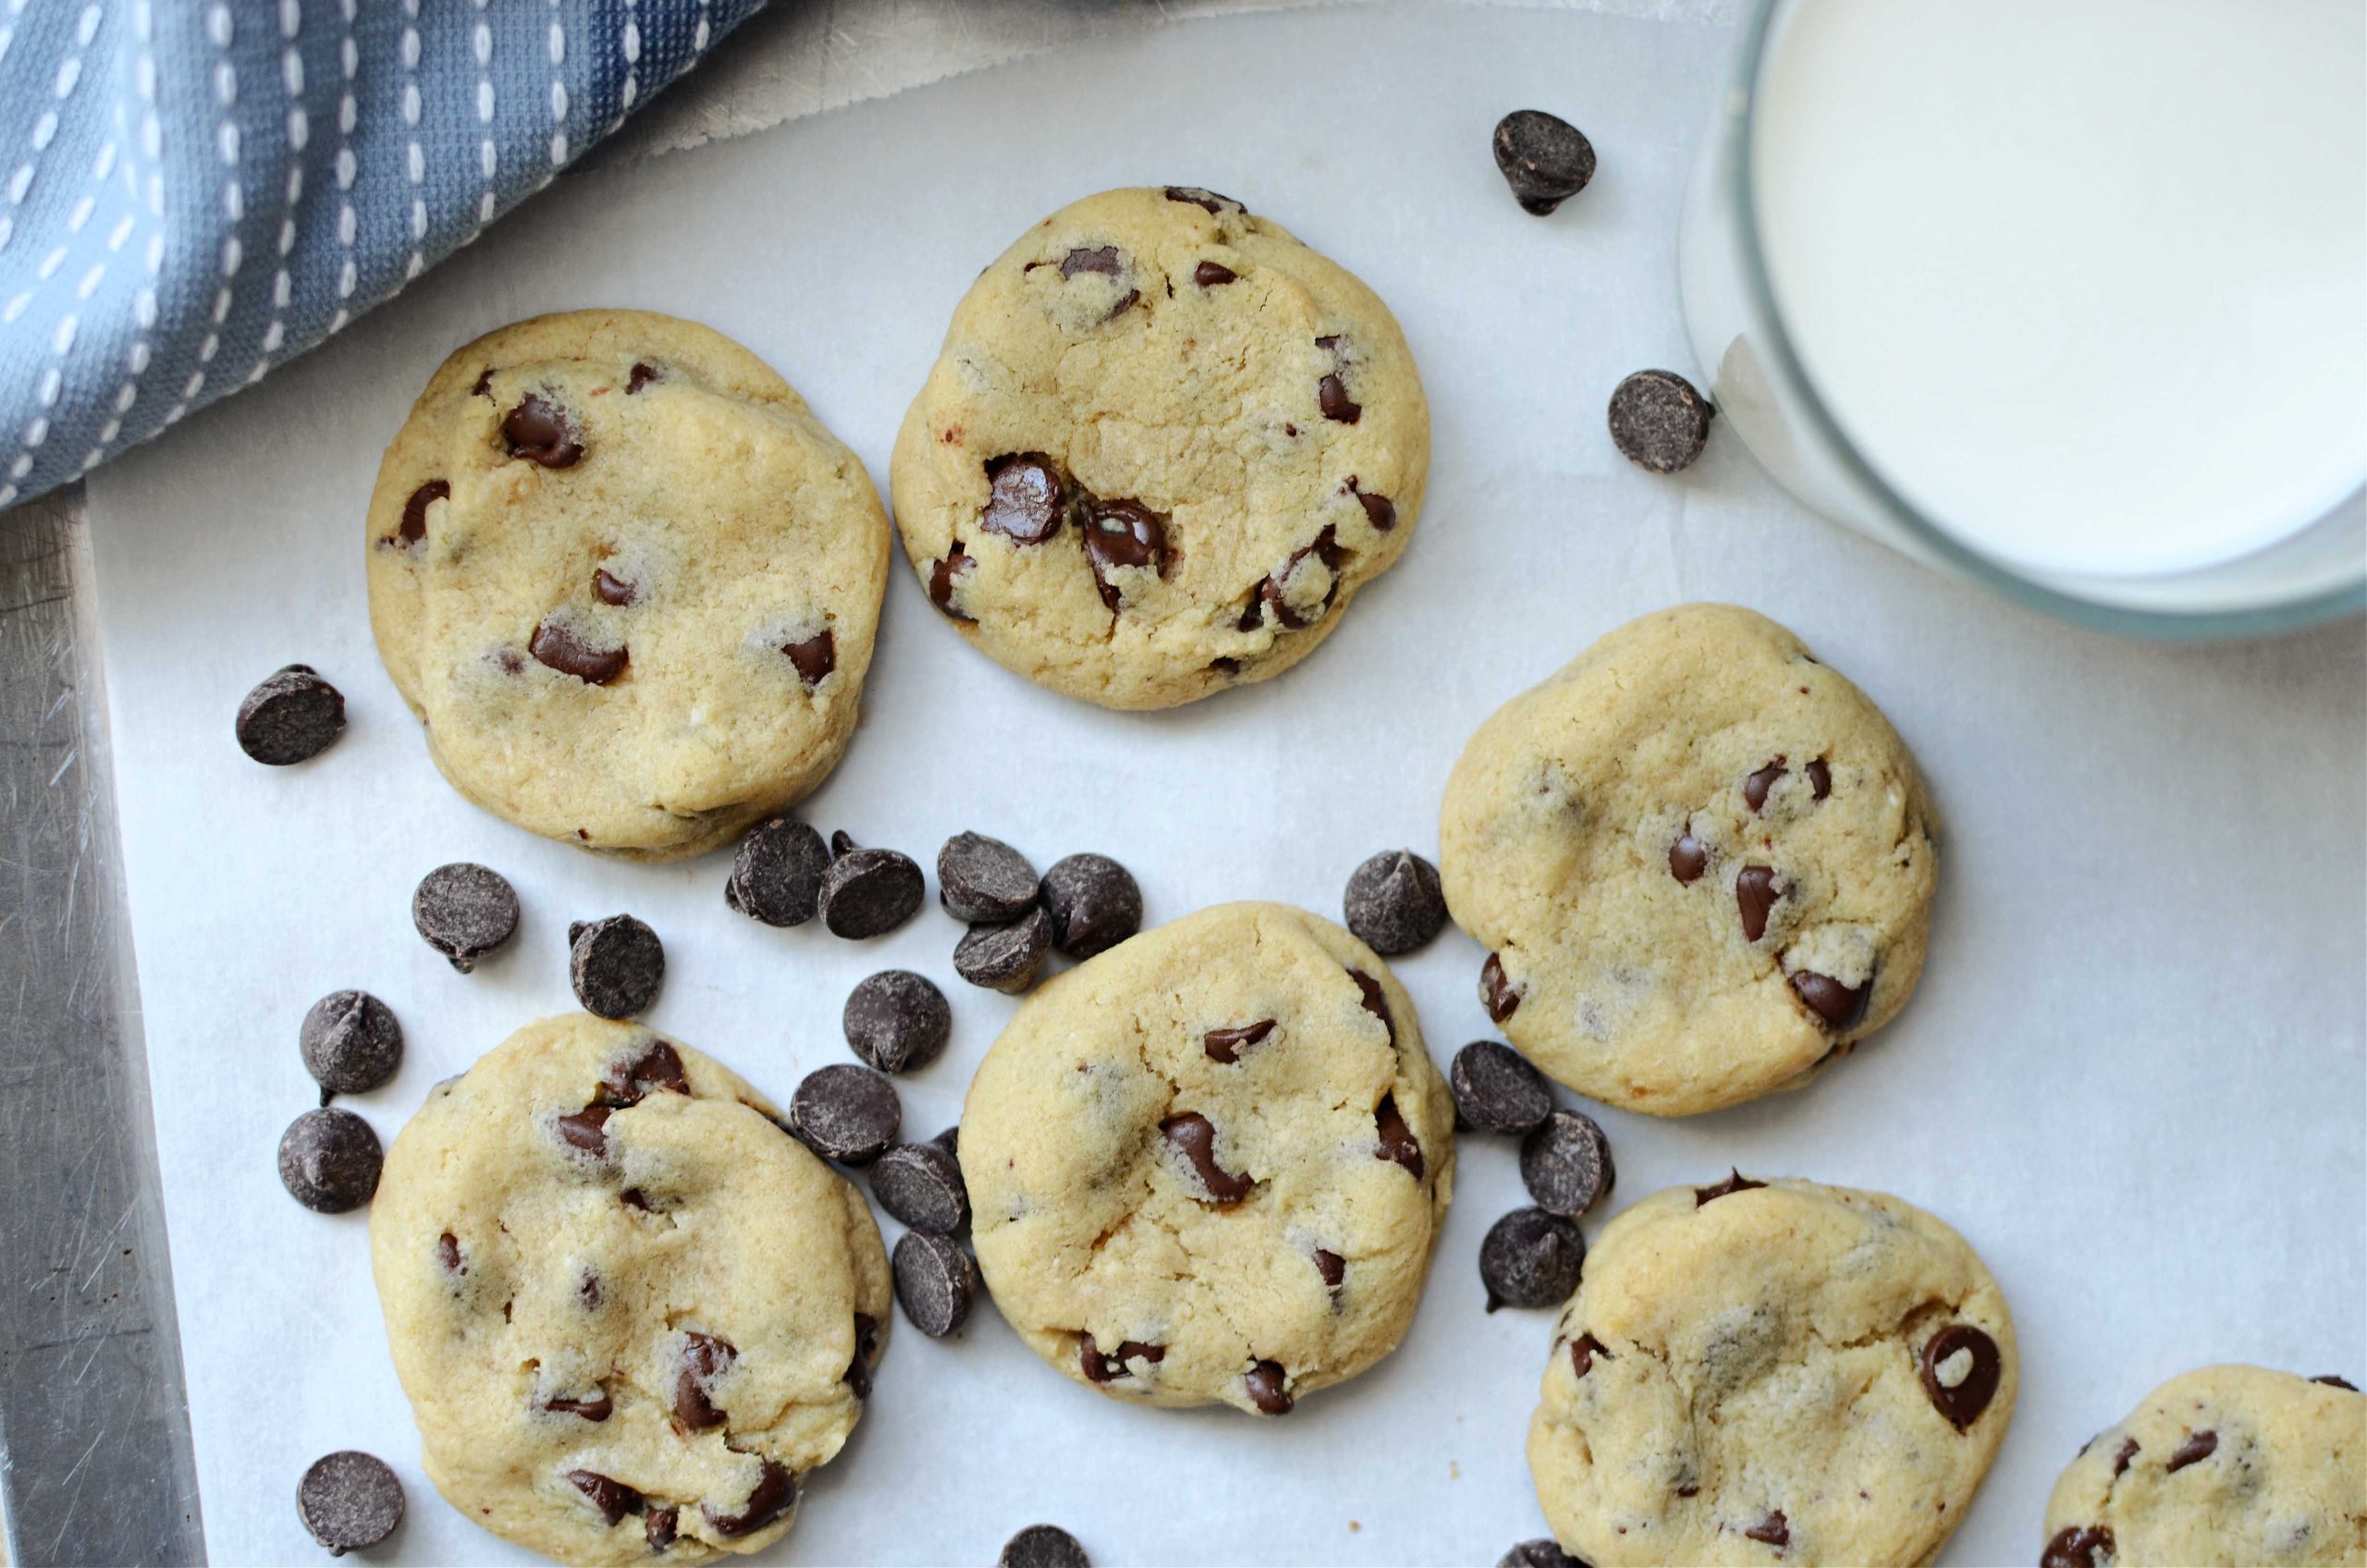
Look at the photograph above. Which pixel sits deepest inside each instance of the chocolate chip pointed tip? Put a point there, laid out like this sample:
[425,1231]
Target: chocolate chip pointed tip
[292,715]
[329,1160]
[1393,904]
[1530,1258]
[1095,904]
[896,1021]
[350,1043]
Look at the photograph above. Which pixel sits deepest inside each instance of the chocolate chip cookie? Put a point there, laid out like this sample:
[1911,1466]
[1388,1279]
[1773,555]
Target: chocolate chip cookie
[631,1311]
[1760,1372]
[2225,1466]
[1702,862]
[1165,445]
[1210,1164]
[626,579]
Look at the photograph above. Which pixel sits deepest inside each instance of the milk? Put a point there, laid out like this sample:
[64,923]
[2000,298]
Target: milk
[2084,280]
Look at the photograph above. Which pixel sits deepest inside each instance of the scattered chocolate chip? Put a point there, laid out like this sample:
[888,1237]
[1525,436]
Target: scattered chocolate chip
[1214,275]
[1496,1090]
[1226,1045]
[1026,498]
[2078,1545]
[329,1160]
[292,717]
[868,893]
[661,1527]
[599,1407]
[1331,392]
[1497,993]
[616,966]
[1332,1269]
[1755,896]
[857,1376]
[658,1070]
[934,1282]
[1735,1181]
[1005,957]
[1123,536]
[1199,198]
[1379,510]
[1687,859]
[1565,1164]
[348,1501]
[705,1358]
[1376,1001]
[540,432]
[774,1494]
[351,1043]
[896,1021]
[612,1498]
[2129,1451]
[1269,1389]
[1819,780]
[611,589]
[1101,259]
[945,577]
[1839,1006]
[1274,595]
[1583,1351]
[921,1184]
[1961,1366]
[1531,1258]
[984,881]
[1543,157]
[1393,904]
[447,1255]
[413,527]
[1193,1137]
[2332,1381]
[1755,788]
[1100,1367]
[1543,1553]
[815,657]
[776,873]
[586,1131]
[643,373]
[557,644]
[1659,421]
[846,1113]
[1775,1530]
[1048,1545]
[2196,1448]
[1094,902]
[1397,1143]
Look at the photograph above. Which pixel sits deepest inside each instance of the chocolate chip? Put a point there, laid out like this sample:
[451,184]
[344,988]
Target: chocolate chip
[1100,1367]
[705,1358]
[2332,1381]
[1543,1553]
[1755,788]
[599,1407]
[329,1160]
[483,389]
[1838,1005]
[1379,510]
[1026,498]
[616,966]
[857,1376]
[413,527]
[1101,259]
[1225,1045]
[447,1255]
[949,1140]
[868,893]
[1393,904]
[1735,1181]
[540,432]
[1396,1144]
[1497,993]
[2078,1545]
[1583,1351]
[1819,780]
[1565,1164]
[1269,1388]
[1193,1137]
[774,1494]
[1659,421]
[984,881]
[1046,1545]
[1376,1001]
[586,1131]
[643,373]
[1331,392]
[841,841]
[1005,957]
[1755,896]
[1275,595]
[815,657]
[896,1021]
[611,589]
[1123,536]
[1212,274]
[292,717]
[1531,1258]
[1094,902]
[1961,1366]
[351,1043]
[658,1070]
[1687,859]
[934,1282]
[1543,157]
[348,1501]
[1332,1269]
[2129,1451]
[661,1527]
[612,1498]
[1199,198]
[2196,1448]
[846,1113]
[776,873]
[921,1184]
[588,1291]
[1775,1530]
[945,577]
[1496,1090]
[558,645]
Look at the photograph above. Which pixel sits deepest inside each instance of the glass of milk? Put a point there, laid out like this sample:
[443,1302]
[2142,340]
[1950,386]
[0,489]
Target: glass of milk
[2068,296]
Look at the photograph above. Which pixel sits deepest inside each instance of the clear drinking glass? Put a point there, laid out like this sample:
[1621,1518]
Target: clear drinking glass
[1763,392]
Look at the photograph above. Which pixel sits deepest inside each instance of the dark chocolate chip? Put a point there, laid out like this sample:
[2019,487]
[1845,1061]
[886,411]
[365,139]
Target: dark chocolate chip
[896,1021]
[351,1043]
[774,1494]
[1193,1137]
[1379,510]
[1332,1269]
[1755,896]
[1963,1401]
[1226,1045]
[2196,1448]
[984,881]
[1543,1553]
[2129,1451]
[1735,1181]
[1497,993]
[777,873]
[483,389]
[1819,780]
[599,1407]
[2078,1545]
[1775,1530]
[1269,1388]
[1212,274]
[540,432]
[1687,859]
[1839,1006]
[1565,1164]
[921,1184]
[658,1070]
[1659,421]
[348,1501]
[1376,1001]
[2332,1381]
[661,1527]
[413,527]
[634,1197]
[814,657]
[611,589]
[868,893]
[1496,1090]
[612,1498]
[1543,157]
[1396,1142]
[558,645]
[1026,498]
[949,1140]
[934,1282]
[1530,1258]
[642,374]
[1199,198]
[1583,1351]
[586,1131]
[945,576]
[1332,391]
[1755,788]
[1121,535]
[841,843]
[1273,595]
[1393,904]
[616,966]
[704,1359]
[1101,1368]
[1094,902]
[1100,260]
[1046,1545]
[1005,957]
[447,1255]
[866,1355]
[329,1160]
[290,717]
[846,1113]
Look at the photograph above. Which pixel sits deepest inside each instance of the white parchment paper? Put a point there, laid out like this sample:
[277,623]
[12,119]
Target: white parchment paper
[2134,1076]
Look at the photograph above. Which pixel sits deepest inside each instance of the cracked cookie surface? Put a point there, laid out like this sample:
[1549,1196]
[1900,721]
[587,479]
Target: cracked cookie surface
[1210,1164]
[1701,862]
[2222,1465]
[1771,1372]
[1163,448]
[626,579]
[630,1312]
